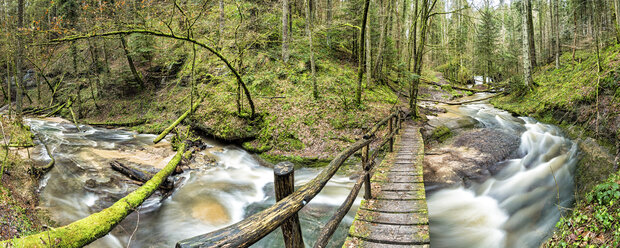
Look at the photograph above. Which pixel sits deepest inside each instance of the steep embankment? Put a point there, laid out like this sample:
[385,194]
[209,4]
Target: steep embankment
[291,124]
[586,104]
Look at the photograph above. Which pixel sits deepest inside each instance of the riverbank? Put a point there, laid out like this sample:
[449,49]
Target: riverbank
[19,212]
[585,103]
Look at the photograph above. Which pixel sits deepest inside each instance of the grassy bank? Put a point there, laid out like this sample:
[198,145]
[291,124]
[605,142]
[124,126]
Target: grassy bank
[585,103]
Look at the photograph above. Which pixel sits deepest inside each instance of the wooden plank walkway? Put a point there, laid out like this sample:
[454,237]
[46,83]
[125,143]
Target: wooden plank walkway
[397,216]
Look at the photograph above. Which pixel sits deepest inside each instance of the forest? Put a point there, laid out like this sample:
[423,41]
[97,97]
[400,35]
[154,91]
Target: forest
[162,123]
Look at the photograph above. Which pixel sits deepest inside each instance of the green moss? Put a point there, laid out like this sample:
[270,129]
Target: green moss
[441,133]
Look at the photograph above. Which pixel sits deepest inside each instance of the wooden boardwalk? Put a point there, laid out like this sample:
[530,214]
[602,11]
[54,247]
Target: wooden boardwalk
[397,215]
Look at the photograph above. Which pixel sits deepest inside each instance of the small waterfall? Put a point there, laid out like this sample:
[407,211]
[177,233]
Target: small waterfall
[519,206]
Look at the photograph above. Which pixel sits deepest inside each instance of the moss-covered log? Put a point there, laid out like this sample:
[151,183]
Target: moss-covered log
[177,122]
[119,123]
[95,226]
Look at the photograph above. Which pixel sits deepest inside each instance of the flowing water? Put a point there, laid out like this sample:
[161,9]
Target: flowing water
[208,197]
[517,207]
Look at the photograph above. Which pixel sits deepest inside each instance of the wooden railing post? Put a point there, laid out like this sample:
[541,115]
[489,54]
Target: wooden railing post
[390,130]
[400,122]
[284,185]
[366,165]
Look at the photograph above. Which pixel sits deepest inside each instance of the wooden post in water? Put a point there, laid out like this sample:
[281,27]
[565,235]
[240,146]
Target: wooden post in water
[366,165]
[284,185]
[390,130]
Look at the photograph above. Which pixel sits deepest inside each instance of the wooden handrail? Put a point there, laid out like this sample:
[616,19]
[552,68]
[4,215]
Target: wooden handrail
[257,226]
[248,231]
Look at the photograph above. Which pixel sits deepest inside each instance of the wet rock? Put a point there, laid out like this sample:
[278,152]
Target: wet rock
[472,156]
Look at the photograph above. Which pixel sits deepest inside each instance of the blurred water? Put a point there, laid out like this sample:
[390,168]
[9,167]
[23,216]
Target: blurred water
[520,205]
[207,198]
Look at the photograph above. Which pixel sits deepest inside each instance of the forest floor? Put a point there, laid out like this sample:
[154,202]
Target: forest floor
[585,103]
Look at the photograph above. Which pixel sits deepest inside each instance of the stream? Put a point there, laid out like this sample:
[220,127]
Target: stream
[225,185]
[516,207]
[519,205]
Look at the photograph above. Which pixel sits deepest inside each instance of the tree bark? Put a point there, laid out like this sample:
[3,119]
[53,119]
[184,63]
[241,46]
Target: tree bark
[527,66]
[360,68]
[285,29]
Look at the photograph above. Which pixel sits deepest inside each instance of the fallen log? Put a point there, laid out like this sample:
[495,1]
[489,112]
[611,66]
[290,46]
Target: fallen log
[462,88]
[459,103]
[55,111]
[118,124]
[83,232]
[139,174]
[178,121]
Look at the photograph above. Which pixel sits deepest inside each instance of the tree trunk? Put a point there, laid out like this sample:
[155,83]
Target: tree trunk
[557,34]
[309,27]
[20,56]
[132,67]
[530,24]
[360,68]
[383,23]
[617,12]
[541,37]
[329,20]
[368,55]
[285,29]
[552,27]
[527,66]
[221,26]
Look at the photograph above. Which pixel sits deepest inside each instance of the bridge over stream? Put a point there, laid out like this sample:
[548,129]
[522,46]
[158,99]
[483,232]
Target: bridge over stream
[393,213]
[397,215]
